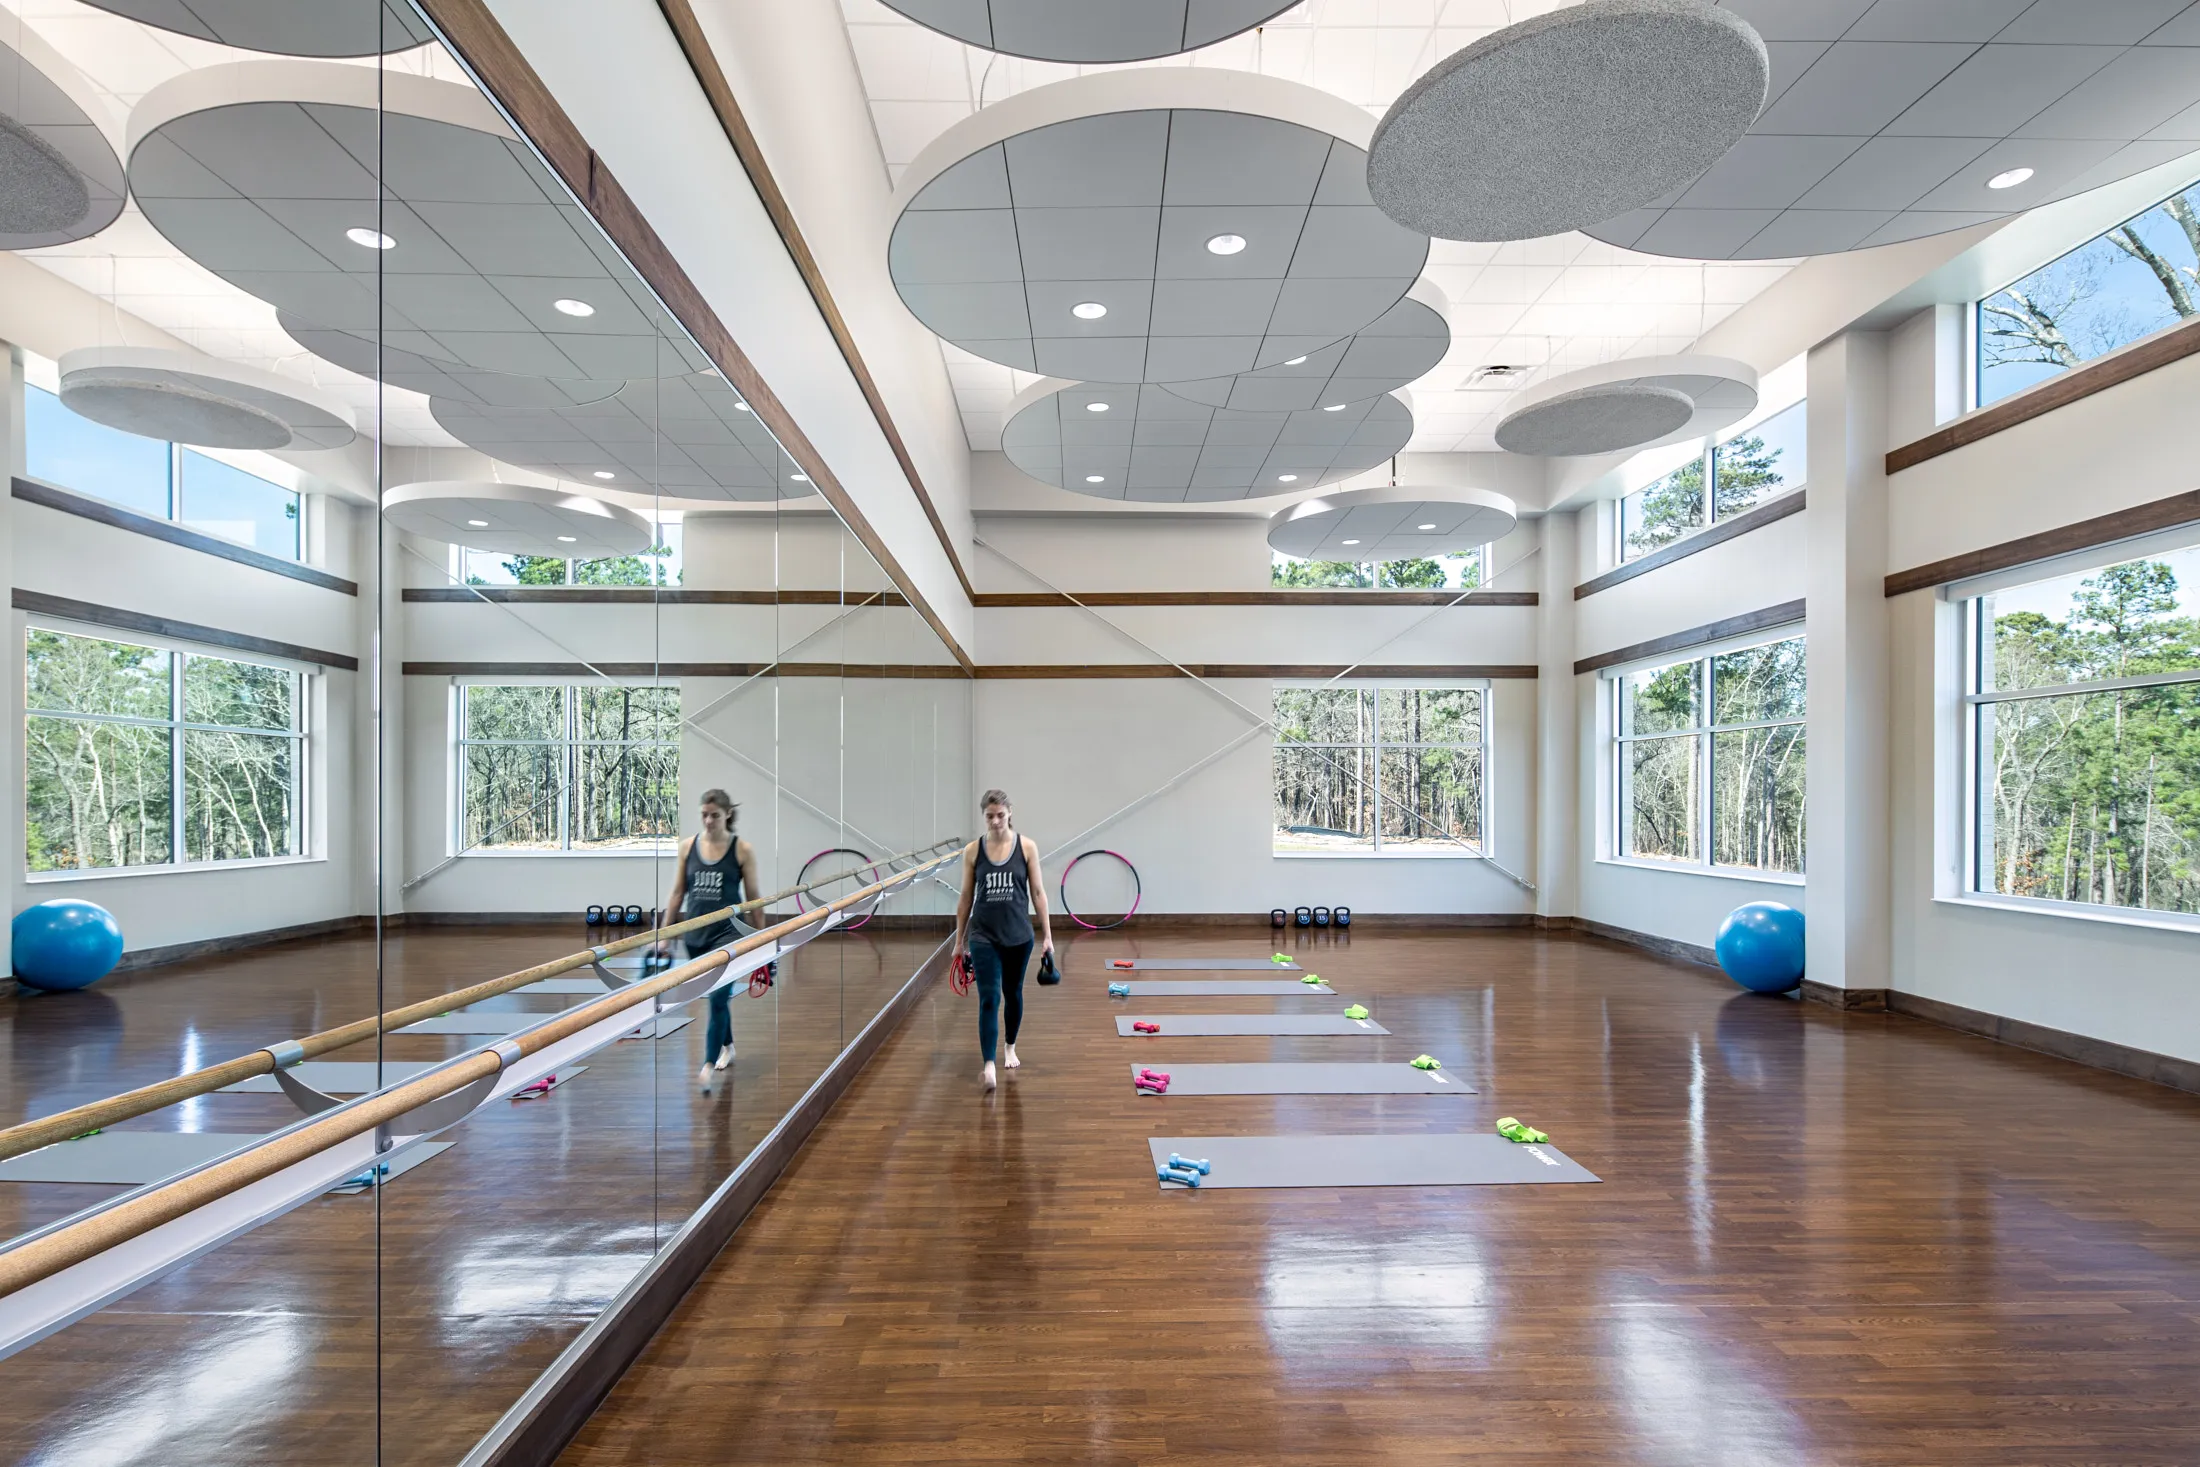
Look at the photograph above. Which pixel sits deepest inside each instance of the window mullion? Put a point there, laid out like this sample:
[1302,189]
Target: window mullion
[1703,766]
[177,813]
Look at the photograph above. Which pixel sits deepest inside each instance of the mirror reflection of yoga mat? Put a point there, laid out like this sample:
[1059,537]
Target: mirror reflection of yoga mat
[1194,1025]
[1201,965]
[1209,988]
[1442,1159]
[1394,1078]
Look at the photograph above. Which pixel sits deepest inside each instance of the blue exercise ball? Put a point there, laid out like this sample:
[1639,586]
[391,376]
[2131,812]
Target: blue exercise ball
[65,944]
[1760,944]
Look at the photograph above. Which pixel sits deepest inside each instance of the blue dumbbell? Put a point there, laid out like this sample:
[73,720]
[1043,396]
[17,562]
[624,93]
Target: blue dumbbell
[1119,990]
[1187,1179]
[1184,1164]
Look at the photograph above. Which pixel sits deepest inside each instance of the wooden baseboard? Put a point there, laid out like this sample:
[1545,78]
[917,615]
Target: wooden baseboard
[2099,1054]
[1849,1000]
[180,952]
[1664,947]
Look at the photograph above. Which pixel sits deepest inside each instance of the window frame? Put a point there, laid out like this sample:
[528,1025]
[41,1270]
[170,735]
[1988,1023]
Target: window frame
[1707,463]
[571,745]
[300,734]
[1704,733]
[1375,748]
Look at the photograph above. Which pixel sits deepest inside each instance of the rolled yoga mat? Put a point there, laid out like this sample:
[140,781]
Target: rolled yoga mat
[1179,1025]
[1394,1078]
[1443,1159]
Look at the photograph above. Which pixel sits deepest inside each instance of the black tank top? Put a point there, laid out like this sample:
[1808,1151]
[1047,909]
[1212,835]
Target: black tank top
[711,884]
[1000,908]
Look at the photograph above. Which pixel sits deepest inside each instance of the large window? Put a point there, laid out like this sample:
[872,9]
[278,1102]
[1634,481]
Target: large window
[1742,473]
[142,756]
[2084,705]
[1437,573]
[159,479]
[657,566]
[562,768]
[1709,760]
[1379,770]
[2136,279]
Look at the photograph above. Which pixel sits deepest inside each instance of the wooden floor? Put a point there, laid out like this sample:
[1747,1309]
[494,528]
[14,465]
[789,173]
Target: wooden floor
[1821,1238]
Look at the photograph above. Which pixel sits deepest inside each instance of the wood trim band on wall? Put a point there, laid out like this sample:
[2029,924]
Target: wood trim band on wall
[704,63]
[474,36]
[1785,614]
[646,596]
[38,603]
[2136,360]
[583,671]
[2107,529]
[1106,670]
[53,496]
[1004,599]
[1725,530]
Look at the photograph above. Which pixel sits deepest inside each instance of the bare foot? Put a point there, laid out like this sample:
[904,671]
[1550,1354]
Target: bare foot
[1013,1062]
[990,1080]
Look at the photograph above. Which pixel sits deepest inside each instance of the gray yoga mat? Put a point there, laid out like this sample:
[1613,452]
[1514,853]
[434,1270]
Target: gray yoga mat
[593,987]
[1202,965]
[497,1025]
[1440,1160]
[335,1077]
[393,1167]
[518,1003]
[1176,1025]
[1394,1078]
[134,1158]
[1203,988]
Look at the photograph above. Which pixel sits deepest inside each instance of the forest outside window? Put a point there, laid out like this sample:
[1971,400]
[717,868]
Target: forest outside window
[551,768]
[2084,707]
[1749,468]
[1380,770]
[1461,572]
[657,566]
[1709,760]
[141,756]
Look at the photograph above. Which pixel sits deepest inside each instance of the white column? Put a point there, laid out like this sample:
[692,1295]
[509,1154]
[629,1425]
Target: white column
[1558,774]
[1848,895]
[11,701]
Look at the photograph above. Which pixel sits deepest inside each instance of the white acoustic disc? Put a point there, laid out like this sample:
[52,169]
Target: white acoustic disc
[1635,402]
[1089,31]
[186,398]
[59,177]
[517,519]
[285,27]
[1393,522]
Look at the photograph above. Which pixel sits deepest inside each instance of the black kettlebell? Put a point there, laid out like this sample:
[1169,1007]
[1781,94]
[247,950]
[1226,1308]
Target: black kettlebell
[1303,916]
[634,916]
[1278,917]
[1342,916]
[1321,916]
[594,916]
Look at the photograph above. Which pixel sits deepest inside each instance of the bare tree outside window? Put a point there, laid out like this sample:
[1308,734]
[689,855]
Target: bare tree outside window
[568,767]
[1374,770]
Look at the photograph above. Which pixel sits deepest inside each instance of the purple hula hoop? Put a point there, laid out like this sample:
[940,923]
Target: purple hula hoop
[803,875]
[1138,891]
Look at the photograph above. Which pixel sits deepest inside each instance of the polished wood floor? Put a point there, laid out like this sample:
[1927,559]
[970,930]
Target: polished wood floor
[1821,1238]
[392,1327]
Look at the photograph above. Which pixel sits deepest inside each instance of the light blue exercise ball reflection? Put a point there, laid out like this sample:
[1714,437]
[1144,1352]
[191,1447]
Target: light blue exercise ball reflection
[64,944]
[1760,945]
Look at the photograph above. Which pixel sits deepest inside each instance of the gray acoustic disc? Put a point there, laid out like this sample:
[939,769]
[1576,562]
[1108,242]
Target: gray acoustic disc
[416,373]
[1596,420]
[517,519]
[1392,522]
[59,178]
[1149,446]
[285,27]
[1400,348]
[184,398]
[1090,30]
[1568,118]
[1909,118]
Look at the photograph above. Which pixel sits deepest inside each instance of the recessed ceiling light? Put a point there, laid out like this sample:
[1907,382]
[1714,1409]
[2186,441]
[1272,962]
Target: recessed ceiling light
[1088,310]
[479,524]
[1287,478]
[372,239]
[742,407]
[2009,179]
[1335,407]
[1096,478]
[1225,244]
[605,474]
[1096,407]
[799,478]
[566,539]
[1424,527]
[574,308]
[1351,542]
[1296,362]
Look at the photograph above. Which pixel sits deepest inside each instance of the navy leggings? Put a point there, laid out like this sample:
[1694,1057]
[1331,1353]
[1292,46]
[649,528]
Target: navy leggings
[996,969]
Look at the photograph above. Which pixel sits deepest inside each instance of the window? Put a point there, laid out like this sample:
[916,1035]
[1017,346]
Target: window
[658,566]
[1709,760]
[1440,573]
[2134,280]
[157,479]
[1749,468]
[549,768]
[141,756]
[1379,770]
[2084,704]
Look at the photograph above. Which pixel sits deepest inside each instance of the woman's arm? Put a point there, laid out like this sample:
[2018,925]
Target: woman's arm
[749,891]
[962,907]
[672,897]
[1039,895]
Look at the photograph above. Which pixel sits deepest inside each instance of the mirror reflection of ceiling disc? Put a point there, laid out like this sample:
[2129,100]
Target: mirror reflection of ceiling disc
[683,437]
[465,263]
[1144,444]
[1634,402]
[1090,30]
[181,397]
[1392,522]
[1099,230]
[285,27]
[1402,347]
[517,519]
[417,373]
[1567,118]
[1895,121]
[59,178]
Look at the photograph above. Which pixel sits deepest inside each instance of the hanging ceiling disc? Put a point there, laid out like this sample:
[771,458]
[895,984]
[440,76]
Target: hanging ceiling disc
[182,397]
[1392,522]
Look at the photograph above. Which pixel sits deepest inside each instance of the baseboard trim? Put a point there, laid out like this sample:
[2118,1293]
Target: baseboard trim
[551,1413]
[2098,1054]
[1664,947]
[1849,1000]
[207,947]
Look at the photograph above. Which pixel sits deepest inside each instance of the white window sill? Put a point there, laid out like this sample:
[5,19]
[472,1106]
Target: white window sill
[1721,873]
[625,853]
[110,873]
[1378,855]
[2079,911]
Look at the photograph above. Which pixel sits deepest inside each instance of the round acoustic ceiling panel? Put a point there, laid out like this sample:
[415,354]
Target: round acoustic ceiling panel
[1402,346]
[682,437]
[457,246]
[186,398]
[1167,224]
[1568,118]
[1090,30]
[417,373]
[59,177]
[1145,444]
[1899,120]
[285,27]
[1633,403]
[517,519]
[1395,522]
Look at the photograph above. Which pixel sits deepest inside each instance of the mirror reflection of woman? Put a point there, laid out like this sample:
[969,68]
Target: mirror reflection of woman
[714,869]
[1001,887]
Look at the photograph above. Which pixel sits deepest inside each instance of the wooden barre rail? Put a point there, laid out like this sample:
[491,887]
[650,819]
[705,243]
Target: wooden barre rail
[45,1256]
[98,1114]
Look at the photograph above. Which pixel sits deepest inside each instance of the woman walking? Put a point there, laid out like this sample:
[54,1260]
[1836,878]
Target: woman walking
[715,868]
[1001,884]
